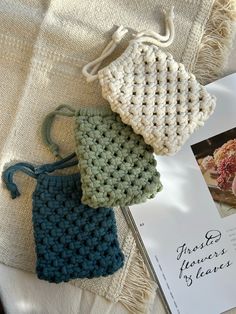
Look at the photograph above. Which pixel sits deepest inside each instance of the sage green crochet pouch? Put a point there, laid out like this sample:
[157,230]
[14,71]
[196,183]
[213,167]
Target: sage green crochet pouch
[117,167]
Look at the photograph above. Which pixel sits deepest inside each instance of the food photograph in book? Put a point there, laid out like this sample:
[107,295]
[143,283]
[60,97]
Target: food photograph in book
[216,157]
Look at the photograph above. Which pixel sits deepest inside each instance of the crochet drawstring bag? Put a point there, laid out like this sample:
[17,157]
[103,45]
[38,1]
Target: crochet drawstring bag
[117,168]
[152,92]
[72,240]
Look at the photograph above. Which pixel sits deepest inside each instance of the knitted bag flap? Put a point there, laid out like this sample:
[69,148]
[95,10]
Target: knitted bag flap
[72,240]
[152,92]
[117,168]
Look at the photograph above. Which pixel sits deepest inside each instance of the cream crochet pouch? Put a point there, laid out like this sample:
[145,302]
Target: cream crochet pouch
[152,92]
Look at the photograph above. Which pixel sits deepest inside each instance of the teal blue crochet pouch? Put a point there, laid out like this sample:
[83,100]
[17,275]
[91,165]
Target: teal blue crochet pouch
[72,240]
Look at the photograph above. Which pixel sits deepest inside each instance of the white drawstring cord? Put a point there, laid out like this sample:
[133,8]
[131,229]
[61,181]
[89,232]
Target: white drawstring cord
[90,70]
[157,39]
[92,67]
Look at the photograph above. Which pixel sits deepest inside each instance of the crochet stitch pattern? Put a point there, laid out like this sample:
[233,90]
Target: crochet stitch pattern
[156,96]
[117,167]
[150,91]
[72,240]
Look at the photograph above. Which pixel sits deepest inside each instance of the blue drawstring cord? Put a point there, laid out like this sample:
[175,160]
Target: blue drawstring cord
[33,171]
[8,174]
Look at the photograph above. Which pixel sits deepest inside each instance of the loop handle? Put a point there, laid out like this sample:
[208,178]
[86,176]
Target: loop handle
[90,70]
[34,171]
[47,125]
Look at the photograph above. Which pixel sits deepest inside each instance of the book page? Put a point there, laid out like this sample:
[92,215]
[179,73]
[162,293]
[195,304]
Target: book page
[189,228]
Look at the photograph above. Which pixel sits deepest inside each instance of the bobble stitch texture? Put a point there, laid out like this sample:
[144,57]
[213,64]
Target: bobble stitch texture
[72,240]
[117,168]
[156,96]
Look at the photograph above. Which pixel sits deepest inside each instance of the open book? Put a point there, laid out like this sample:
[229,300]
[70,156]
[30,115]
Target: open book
[188,230]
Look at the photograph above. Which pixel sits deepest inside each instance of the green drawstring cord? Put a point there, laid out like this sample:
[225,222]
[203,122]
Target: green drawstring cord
[47,125]
[33,171]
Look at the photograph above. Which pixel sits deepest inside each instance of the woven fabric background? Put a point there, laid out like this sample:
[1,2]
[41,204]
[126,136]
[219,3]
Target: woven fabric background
[44,45]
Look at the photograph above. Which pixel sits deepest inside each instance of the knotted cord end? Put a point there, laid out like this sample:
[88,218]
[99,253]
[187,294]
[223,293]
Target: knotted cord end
[7,178]
[54,148]
[90,70]
[119,34]
[170,13]
[12,188]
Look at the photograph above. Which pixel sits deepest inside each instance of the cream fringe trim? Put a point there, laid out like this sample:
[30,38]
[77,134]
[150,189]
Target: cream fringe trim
[139,289]
[216,42]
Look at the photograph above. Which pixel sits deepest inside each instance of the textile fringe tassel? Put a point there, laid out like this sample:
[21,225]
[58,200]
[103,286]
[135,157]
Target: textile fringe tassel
[139,290]
[216,42]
